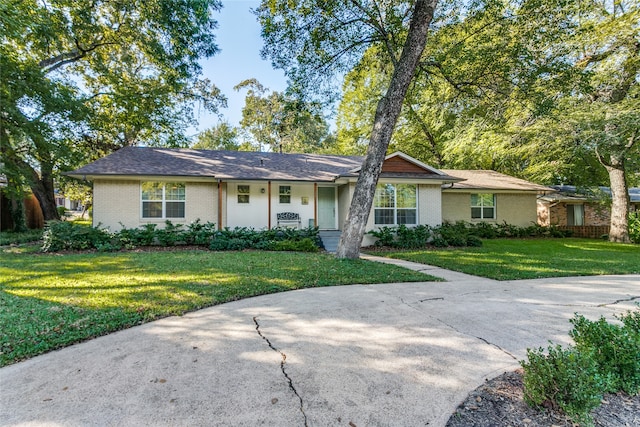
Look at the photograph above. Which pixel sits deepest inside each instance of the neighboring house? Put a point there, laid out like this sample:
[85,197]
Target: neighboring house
[140,185]
[485,195]
[588,215]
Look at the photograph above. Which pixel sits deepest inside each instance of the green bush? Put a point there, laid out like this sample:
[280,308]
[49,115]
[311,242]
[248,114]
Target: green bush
[385,236]
[61,211]
[200,234]
[304,245]
[564,379]
[634,227]
[616,349]
[64,235]
[171,234]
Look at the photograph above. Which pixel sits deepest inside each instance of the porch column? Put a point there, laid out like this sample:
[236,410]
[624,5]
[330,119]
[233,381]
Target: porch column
[219,204]
[269,203]
[315,204]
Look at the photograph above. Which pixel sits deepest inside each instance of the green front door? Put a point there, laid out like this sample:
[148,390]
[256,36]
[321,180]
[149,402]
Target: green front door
[327,208]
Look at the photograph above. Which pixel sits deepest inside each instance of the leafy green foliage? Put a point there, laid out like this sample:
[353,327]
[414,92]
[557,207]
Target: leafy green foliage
[81,79]
[457,234]
[615,349]
[606,358]
[63,235]
[280,122]
[634,227]
[52,301]
[565,379]
[14,238]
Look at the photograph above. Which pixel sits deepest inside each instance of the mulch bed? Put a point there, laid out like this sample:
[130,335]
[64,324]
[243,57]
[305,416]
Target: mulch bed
[499,402]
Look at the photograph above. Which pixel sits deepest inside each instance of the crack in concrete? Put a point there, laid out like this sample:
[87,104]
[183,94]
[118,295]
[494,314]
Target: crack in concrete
[459,331]
[431,299]
[478,338]
[284,371]
[619,301]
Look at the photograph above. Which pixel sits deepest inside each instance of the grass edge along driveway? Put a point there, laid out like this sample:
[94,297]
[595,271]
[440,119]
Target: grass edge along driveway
[49,301]
[514,259]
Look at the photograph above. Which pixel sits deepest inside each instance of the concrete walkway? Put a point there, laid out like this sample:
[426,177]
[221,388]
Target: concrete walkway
[363,355]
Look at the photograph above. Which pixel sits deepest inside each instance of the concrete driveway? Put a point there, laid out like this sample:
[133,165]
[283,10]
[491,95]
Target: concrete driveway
[375,355]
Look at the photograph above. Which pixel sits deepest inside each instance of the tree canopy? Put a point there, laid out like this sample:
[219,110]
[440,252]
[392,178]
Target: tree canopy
[81,79]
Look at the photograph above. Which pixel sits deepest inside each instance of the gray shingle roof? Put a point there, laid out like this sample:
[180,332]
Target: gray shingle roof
[239,165]
[491,180]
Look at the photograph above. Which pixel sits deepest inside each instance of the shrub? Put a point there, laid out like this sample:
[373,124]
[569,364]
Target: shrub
[474,241]
[634,227]
[616,349]
[385,236]
[565,379]
[61,211]
[63,235]
[304,245]
[200,234]
[170,235]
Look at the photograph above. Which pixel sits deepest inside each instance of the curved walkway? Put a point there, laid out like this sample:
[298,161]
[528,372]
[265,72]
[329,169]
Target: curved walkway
[363,355]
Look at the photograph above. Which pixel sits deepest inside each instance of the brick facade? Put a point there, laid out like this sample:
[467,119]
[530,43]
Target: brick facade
[595,214]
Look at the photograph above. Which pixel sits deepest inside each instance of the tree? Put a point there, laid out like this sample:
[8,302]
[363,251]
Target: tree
[81,79]
[222,136]
[279,122]
[307,37]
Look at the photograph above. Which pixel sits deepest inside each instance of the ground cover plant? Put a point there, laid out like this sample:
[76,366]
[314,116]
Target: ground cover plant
[510,259]
[48,301]
[17,238]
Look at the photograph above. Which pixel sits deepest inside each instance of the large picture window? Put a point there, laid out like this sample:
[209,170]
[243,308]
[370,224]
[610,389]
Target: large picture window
[163,199]
[396,204]
[483,206]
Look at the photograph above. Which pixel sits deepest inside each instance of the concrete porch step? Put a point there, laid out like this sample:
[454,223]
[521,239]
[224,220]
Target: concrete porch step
[330,239]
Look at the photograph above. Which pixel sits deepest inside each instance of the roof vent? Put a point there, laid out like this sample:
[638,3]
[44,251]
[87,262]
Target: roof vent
[261,162]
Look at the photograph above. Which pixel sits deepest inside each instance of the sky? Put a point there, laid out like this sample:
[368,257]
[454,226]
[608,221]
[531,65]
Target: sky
[239,41]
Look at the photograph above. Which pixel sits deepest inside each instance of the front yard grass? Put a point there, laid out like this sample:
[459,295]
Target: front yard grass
[49,301]
[511,259]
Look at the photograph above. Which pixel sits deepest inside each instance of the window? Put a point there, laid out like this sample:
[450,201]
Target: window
[163,199]
[395,204]
[285,194]
[575,214]
[483,206]
[243,194]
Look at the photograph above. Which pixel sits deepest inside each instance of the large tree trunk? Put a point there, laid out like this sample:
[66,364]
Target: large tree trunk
[619,229]
[43,188]
[387,112]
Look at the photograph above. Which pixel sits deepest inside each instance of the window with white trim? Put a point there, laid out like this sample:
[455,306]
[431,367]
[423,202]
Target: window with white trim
[285,194]
[162,199]
[243,194]
[483,206]
[396,204]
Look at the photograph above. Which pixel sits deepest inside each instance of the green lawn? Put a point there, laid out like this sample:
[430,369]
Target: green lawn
[48,301]
[509,259]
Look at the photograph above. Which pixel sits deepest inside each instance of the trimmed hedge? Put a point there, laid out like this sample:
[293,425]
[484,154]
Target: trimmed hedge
[457,234]
[62,235]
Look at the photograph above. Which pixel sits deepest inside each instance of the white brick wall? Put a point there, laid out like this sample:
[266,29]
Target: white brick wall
[116,202]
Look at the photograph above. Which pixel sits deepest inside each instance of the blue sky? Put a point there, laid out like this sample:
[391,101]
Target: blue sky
[238,37]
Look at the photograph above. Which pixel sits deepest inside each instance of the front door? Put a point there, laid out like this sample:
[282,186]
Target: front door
[327,208]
